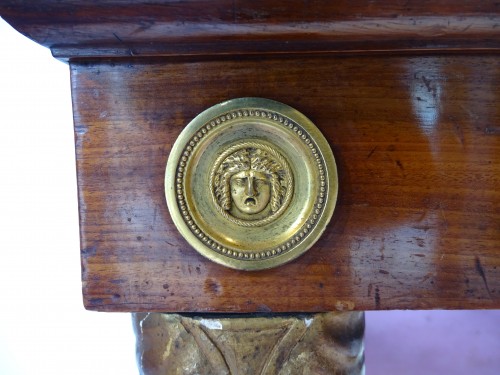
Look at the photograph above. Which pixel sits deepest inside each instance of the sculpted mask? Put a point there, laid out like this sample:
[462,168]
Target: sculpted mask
[251,183]
[250,191]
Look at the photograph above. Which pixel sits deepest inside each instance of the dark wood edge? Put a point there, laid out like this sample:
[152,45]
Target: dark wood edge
[70,52]
[123,37]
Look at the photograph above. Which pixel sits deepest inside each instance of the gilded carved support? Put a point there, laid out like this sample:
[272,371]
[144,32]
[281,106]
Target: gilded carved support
[323,343]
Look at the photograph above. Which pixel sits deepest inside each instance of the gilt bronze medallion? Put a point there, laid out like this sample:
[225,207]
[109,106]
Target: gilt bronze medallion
[251,183]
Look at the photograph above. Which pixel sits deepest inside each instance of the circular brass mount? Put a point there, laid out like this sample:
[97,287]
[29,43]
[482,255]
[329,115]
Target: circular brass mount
[251,183]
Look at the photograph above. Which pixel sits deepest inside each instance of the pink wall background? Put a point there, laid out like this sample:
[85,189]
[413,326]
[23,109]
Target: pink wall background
[433,342]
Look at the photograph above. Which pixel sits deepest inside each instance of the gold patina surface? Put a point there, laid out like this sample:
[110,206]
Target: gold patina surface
[251,183]
[287,344]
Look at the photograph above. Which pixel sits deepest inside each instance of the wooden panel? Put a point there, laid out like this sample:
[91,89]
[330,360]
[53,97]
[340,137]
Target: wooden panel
[76,28]
[417,144]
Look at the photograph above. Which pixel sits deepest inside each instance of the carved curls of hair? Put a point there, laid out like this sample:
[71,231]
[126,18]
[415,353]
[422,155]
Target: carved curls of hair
[249,159]
[234,163]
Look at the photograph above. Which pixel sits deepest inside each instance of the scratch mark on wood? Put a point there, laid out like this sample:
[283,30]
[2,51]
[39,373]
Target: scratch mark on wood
[445,221]
[155,214]
[427,83]
[400,165]
[420,242]
[377,298]
[130,51]
[460,134]
[371,152]
[480,270]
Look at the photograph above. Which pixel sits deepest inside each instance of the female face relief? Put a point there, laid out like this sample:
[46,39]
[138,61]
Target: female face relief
[250,191]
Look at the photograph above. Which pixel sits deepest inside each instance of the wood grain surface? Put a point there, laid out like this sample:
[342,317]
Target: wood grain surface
[76,28]
[417,144]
